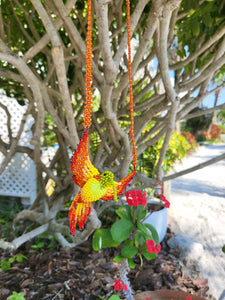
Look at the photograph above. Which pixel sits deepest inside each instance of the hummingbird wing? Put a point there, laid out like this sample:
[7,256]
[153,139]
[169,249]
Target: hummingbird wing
[81,165]
[120,186]
[81,206]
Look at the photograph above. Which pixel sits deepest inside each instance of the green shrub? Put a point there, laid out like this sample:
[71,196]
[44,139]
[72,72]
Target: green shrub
[201,137]
[178,148]
[200,123]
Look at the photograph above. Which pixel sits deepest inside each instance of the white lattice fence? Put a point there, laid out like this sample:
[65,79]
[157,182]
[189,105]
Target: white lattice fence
[19,177]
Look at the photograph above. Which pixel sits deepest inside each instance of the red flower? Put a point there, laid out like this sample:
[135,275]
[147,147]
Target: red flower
[188,298]
[150,243]
[167,204]
[130,202]
[151,247]
[135,198]
[124,286]
[157,249]
[142,200]
[163,198]
[119,285]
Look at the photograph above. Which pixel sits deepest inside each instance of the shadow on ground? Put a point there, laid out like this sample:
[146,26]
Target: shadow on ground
[179,185]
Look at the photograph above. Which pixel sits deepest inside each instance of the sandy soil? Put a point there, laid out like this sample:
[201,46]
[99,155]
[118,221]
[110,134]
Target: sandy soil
[198,214]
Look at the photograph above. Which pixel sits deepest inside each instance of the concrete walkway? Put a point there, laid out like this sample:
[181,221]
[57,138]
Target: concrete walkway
[197,216]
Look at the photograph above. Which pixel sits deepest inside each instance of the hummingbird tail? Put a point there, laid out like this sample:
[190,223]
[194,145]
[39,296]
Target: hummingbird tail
[78,213]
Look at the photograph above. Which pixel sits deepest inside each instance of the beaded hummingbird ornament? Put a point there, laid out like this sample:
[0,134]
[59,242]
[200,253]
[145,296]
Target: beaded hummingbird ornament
[93,185]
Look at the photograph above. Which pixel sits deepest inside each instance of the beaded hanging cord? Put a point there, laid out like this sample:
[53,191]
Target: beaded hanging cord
[88,77]
[88,68]
[95,186]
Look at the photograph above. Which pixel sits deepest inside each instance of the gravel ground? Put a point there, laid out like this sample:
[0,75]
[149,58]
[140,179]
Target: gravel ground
[197,216]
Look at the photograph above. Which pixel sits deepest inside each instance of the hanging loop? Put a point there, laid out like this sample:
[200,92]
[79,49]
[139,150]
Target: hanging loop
[88,77]
[88,74]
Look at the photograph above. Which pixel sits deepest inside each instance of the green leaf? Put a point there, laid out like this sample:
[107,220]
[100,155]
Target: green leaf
[38,245]
[137,211]
[51,245]
[129,243]
[131,263]
[129,212]
[118,258]
[102,238]
[114,297]
[194,4]
[16,296]
[140,212]
[207,19]
[143,214]
[153,232]
[195,27]
[137,238]
[20,257]
[11,260]
[5,265]
[121,230]
[143,229]
[149,256]
[129,251]
[187,5]
[122,214]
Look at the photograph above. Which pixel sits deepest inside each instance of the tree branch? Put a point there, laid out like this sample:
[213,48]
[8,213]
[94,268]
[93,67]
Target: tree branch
[39,46]
[195,168]
[75,37]
[216,37]
[58,58]
[103,36]
[208,73]
[204,112]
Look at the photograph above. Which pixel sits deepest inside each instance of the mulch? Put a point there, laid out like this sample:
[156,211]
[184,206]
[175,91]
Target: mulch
[82,273]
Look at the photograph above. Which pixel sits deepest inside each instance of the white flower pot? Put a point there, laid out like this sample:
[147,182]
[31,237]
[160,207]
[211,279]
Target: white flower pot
[222,136]
[159,220]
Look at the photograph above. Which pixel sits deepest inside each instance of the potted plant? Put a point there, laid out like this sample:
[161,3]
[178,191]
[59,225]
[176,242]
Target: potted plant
[157,215]
[132,234]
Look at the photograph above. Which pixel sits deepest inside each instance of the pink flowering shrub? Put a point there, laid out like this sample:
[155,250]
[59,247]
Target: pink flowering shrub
[190,138]
[215,132]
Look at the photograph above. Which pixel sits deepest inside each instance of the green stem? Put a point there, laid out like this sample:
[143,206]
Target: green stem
[134,210]
[141,259]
